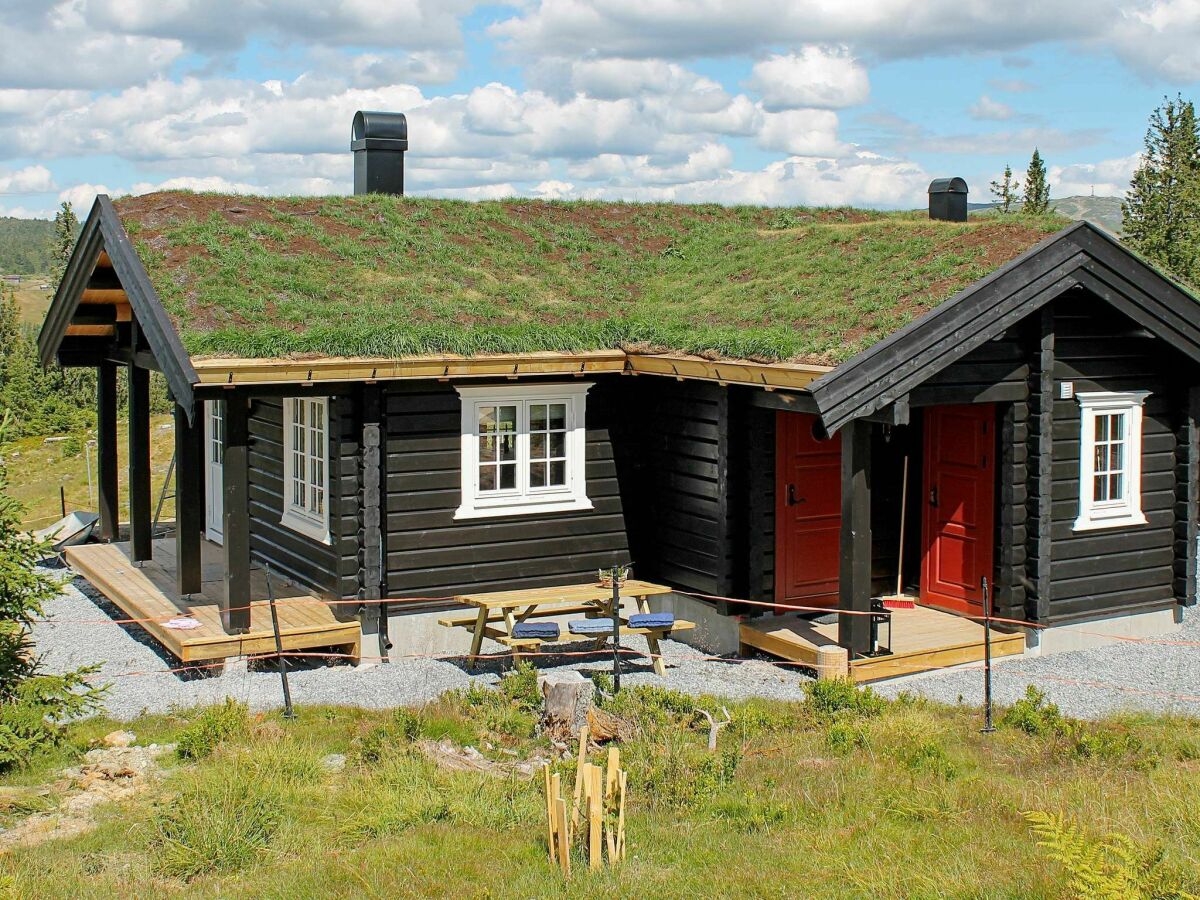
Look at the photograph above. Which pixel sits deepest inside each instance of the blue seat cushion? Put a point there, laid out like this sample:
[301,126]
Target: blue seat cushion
[652,620]
[547,631]
[590,626]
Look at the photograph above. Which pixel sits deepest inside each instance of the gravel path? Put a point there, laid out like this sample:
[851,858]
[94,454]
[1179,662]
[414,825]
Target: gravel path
[120,649]
[1085,683]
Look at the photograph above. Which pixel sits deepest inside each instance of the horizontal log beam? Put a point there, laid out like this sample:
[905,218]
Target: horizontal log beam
[104,295]
[91,331]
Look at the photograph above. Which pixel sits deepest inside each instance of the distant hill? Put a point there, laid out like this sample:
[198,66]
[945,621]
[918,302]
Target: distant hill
[26,246]
[1105,211]
[1102,211]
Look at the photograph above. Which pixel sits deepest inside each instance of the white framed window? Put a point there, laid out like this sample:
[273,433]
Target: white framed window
[523,449]
[1110,459]
[306,466]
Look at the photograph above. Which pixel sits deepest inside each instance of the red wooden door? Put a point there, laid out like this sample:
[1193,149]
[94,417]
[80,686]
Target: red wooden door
[960,493]
[808,512]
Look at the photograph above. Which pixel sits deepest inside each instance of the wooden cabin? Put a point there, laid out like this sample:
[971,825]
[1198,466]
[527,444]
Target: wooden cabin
[386,398]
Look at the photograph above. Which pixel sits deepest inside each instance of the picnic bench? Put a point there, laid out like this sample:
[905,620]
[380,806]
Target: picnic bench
[499,612]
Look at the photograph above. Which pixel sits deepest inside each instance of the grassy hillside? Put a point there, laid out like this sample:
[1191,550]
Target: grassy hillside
[26,246]
[1105,211]
[841,796]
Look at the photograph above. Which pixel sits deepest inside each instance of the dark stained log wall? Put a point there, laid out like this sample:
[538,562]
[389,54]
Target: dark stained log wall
[430,554]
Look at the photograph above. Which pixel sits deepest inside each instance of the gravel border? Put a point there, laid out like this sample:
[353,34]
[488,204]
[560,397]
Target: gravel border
[1084,683]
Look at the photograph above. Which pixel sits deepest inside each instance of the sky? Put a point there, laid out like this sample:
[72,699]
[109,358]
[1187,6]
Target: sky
[815,102]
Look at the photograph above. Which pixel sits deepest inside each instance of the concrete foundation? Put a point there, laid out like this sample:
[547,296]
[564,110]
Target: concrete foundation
[714,633]
[1103,631]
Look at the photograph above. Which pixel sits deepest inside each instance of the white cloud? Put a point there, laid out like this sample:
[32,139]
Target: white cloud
[1159,37]
[82,196]
[987,108]
[29,180]
[1107,178]
[825,77]
[801,132]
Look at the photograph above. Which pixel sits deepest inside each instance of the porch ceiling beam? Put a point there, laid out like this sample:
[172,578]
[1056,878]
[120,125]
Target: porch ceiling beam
[854,583]
[786,401]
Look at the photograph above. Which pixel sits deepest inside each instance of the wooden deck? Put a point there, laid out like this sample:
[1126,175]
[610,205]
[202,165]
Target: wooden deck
[148,593]
[923,639]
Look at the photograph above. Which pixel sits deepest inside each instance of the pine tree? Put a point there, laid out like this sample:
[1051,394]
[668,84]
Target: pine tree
[66,225]
[1006,191]
[1161,213]
[1037,189]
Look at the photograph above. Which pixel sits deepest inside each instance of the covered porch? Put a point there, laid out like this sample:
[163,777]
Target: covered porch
[148,593]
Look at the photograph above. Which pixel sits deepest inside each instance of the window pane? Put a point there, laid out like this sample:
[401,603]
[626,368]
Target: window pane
[558,415]
[1101,428]
[537,416]
[1116,487]
[1101,457]
[558,443]
[1117,427]
[1100,488]
[537,474]
[487,448]
[1116,457]
[558,473]
[487,478]
[508,446]
[487,419]
[508,476]
[537,445]
[507,418]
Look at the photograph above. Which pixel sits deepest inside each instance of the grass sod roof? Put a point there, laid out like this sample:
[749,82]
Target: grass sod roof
[393,277]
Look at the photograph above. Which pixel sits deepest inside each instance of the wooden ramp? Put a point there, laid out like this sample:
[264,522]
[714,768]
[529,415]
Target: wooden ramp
[148,593]
[923,639]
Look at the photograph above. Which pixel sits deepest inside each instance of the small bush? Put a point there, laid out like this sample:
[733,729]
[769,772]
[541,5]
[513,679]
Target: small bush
[927,757]
[407,724]
[213,725]
[836,696]
[1033,715]
[405,727]
[751,813]
[843,738]
[220,822]
[679,774]
[1111,745]
[520,686]
[653,706]
[753,718]
[604,685]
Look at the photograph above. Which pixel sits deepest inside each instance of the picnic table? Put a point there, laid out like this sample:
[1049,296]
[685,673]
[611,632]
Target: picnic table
[498,612]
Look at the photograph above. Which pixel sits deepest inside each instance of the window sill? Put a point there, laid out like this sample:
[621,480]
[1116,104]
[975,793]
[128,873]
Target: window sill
[523,508]
[318,531]
[1127,521]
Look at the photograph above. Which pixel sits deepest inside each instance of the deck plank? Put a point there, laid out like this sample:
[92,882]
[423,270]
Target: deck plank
[148,593]
[923,639]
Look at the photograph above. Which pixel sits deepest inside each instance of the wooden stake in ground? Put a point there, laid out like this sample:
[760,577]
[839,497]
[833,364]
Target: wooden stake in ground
[551,797]
[595,818]
[580,762]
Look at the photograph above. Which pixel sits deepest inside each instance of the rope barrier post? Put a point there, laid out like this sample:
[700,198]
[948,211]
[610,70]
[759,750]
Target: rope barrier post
[616,624]
[988,727]
[288,712]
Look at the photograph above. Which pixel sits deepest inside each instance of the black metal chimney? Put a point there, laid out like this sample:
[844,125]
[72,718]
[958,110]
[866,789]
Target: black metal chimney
[948,199]
[379,140]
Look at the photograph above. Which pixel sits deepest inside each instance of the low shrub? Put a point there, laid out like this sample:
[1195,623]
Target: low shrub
[927,757]
[843,738]
[1033,715]
[834,696]
[751,812]
[678,774]
[519,685]
[213,725]
[221,821]
[1111,745]
[653,706]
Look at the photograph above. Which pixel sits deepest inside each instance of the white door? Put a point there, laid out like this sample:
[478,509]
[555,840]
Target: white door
[214,454]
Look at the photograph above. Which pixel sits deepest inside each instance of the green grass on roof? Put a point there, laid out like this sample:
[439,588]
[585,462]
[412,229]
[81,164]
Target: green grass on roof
[389,276]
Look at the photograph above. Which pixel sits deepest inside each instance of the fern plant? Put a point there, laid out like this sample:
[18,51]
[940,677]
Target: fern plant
[1111,867]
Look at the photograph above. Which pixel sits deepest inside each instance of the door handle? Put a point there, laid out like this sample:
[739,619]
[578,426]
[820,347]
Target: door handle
[933,497]
[791,496]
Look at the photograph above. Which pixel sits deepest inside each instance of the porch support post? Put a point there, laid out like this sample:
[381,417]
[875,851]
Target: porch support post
[235,608]
[106,450]
[189,507]
[140,524]
[1043,474]
[854,631]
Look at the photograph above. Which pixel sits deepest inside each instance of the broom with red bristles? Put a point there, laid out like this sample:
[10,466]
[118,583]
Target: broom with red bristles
[900,600]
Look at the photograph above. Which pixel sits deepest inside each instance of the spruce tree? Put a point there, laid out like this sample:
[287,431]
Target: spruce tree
[1037,189]
[1161,213]
[66,225]
[1006,191]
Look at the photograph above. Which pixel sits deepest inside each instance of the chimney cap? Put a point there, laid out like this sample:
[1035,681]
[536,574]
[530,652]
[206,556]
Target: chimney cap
[379,131]
[948,186]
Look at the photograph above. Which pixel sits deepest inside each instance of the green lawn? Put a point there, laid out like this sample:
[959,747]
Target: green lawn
[830,799]
[37,469]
